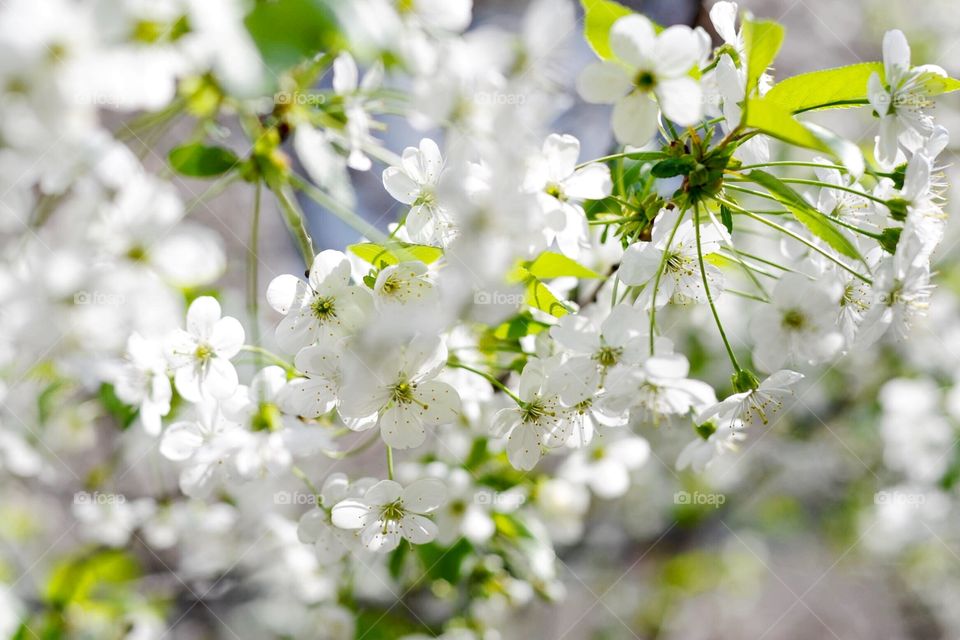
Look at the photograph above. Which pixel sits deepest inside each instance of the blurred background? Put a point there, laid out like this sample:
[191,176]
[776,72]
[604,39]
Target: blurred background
[842,520]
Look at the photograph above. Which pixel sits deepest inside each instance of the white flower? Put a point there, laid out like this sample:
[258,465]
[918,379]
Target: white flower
[901,293]
[836,202]
[316,527]
[388,512]
[327,307]
[620,339]
[347,85]
[798,323]
[605,466]
[445,15]
[658,388]
[401,391]
[200,356]
[414,183]
[758,406]
[404,283]
[902,98]
[143,382]
[540,421]
[649,69]
[315,394]
[704,451]
[206,445]
[561,187]
[681,280]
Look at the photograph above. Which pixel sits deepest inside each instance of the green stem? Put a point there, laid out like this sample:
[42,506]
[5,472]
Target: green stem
[253,286]
[656,280]
[489,378]
[825,185]
[390,463]
[277,360]
[706,288]
[299,473]
[349,217]
[296,222]
[797,237]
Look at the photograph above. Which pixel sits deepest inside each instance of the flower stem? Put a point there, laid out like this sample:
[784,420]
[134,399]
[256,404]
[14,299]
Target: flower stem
[390,463]
[253,298]
[351,218]
[296,222]
[797,237]
[656,280]
[706,288]
[489,378]
[277,360]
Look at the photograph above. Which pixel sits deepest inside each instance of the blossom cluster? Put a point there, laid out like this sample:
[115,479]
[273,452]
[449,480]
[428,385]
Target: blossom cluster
[504,347]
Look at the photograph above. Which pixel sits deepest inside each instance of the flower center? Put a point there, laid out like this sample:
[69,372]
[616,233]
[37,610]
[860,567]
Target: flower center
[204,352]
[794,320]
[645,80]
[555,190]
[534,411]
[608,356]
[324,308]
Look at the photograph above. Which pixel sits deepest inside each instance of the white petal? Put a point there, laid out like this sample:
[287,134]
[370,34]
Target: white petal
[330,268]
[383,492]
[350,514]
[675,51]
[632,40]
[425,495]
[227,337]
[603,82]
[401,426]
[523,447]
[417,529]
[896,52]
[681,100]
[312,525]
[561,153]
[180,441]
[589,183]
[400,186]
[345,74]
[635,119]
[202,315]
[283,291]
[221,379]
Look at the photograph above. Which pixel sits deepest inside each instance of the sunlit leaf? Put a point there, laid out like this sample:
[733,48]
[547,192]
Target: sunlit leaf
[818,224]
[826,89]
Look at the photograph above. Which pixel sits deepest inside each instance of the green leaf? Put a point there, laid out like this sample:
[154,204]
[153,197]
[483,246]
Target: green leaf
[201,161]
[81,579]
[376,254]
[762,40]
[818,224]
[286,32]
[443,563]
[550,264]
[673,167]
[938,84]
[539,296]
[773,120]
[599,16]
[726,217]
[826,89]
[122,413]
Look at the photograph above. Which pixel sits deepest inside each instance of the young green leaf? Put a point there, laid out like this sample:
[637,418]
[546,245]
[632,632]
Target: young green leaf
[550,264]
[673,167]
[375,253]
[201,161]
[826,89]
[818,224]
[599,16]
[288,31]
[773,120]
[726,217]
[762,40]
